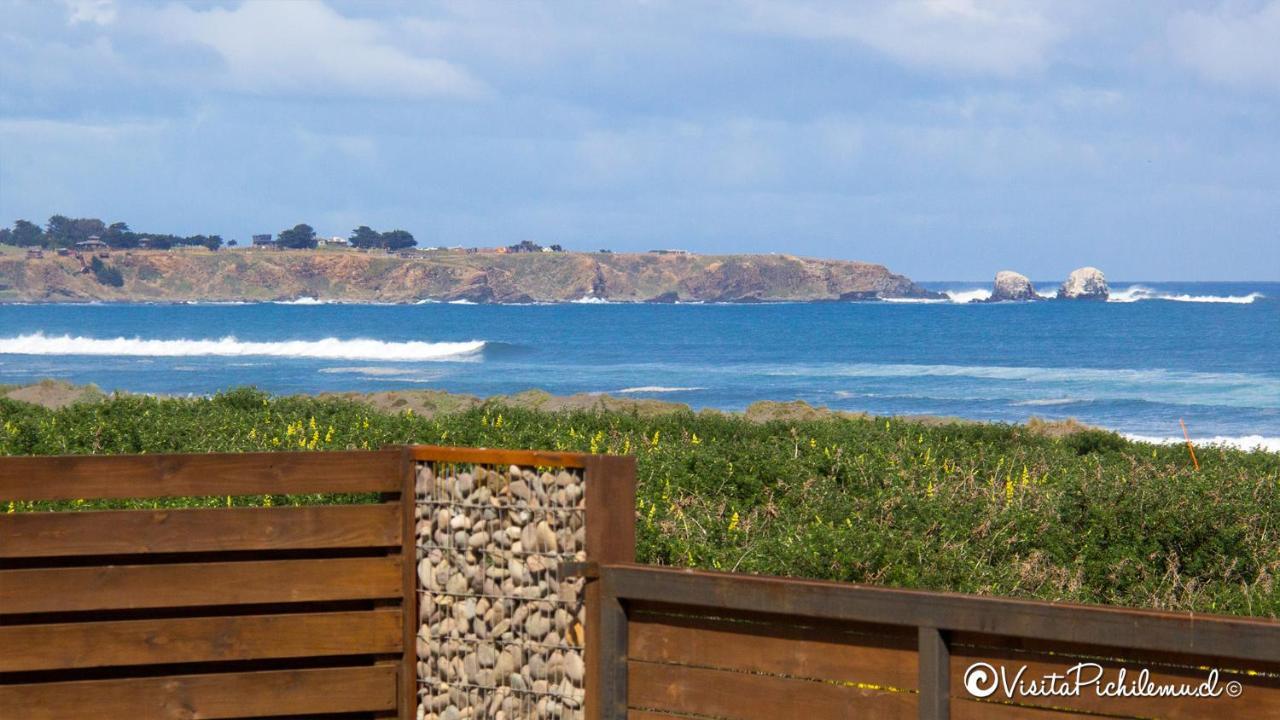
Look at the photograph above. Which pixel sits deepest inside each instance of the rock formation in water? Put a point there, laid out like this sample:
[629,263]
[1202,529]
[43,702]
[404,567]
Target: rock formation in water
[482,277]
[1086,283]
[1012,287]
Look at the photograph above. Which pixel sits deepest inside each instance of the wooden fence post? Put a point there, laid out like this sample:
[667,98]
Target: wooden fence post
[935,674]
[409,566]
[611,538]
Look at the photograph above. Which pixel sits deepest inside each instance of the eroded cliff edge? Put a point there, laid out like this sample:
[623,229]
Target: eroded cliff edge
[250,275]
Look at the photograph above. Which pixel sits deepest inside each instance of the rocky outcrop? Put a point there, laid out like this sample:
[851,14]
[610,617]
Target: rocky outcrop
[1012,287]
[349,276]
[1086,283]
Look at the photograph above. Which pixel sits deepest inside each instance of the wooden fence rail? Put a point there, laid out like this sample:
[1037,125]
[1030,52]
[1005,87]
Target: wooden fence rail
[679,643]
[209,613]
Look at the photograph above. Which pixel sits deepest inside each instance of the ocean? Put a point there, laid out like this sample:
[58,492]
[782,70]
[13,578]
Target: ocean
[1159,352]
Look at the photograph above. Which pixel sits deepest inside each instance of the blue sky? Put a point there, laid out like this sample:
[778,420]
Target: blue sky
[945,139]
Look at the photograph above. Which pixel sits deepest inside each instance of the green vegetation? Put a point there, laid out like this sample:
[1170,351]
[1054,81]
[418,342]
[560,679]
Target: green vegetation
[106,274]
[366,237]
[64,232]
[994,509]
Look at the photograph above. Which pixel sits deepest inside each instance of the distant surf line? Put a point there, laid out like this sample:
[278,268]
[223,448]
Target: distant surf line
[326,348]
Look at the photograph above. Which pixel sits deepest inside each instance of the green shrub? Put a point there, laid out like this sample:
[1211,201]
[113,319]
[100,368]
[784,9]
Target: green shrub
[106,274]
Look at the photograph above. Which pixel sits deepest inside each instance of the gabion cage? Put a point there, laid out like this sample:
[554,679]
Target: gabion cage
[500,626]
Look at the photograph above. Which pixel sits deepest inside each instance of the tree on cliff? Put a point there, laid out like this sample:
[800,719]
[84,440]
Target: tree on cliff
[398,240]
[26,234]
[302,236]
[63,231]
[366,237]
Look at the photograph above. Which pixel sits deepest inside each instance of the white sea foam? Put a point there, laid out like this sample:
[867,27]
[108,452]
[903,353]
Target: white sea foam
[964,296]
[1243,442]
[300,301]
[589,300]
[1134,293]
[328,348]
[462,302]
[1038,402]
[1153,385]
[919,301]
[658,389]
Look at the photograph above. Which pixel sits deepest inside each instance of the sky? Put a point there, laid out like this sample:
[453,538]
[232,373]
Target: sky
[946,139]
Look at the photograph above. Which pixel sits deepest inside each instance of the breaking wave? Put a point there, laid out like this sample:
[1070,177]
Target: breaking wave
[964,296]
[328,348]
[1241,442]
[658,389]
[1134,293]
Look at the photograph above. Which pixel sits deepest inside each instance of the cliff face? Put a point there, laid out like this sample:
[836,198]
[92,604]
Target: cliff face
[485,277]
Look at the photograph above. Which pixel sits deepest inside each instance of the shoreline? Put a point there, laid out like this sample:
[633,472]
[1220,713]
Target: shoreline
[56,394]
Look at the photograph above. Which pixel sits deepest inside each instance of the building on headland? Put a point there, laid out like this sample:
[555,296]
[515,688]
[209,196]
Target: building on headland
[263,242]
[335,241]
[94,245]
[671,251]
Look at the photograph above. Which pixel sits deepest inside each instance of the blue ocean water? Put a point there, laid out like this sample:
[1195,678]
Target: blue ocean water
[1208,353]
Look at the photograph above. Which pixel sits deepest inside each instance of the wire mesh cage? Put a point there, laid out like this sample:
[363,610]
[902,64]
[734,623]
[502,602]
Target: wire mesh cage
[500,625]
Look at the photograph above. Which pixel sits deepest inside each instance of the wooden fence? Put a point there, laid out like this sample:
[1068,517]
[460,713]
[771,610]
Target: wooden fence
[207,613]
[683,644]
[311,611]
[239,612]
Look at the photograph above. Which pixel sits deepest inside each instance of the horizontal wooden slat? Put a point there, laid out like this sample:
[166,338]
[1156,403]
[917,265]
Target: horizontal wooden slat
[222,695]
[785,646]
[1236,637]
[203,639]
[71,477]
[119,587]
[497,456]
[973,710]
[742,696]
[1260,697]
[130,532]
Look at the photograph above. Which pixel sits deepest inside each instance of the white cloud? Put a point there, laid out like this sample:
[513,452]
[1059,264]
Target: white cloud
[951,36]
[306,48]
[1230,46]
[98,12]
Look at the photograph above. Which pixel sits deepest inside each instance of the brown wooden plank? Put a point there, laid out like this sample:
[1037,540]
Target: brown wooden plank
[408,691]
[973,710]
[497,456]
[71,477]
[1260,697]
[222,695]
[129,532]
[652,715]
[119,587]
[1252,639]
[788,646]
[203,639]
[742,696]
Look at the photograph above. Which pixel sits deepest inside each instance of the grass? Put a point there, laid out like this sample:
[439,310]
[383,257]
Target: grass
[993,509]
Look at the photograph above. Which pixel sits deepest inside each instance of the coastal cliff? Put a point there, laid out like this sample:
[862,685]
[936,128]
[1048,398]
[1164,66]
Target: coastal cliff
[348,276]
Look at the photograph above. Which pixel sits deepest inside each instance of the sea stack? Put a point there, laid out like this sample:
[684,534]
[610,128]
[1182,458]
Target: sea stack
[1086,283]
[1012,286]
